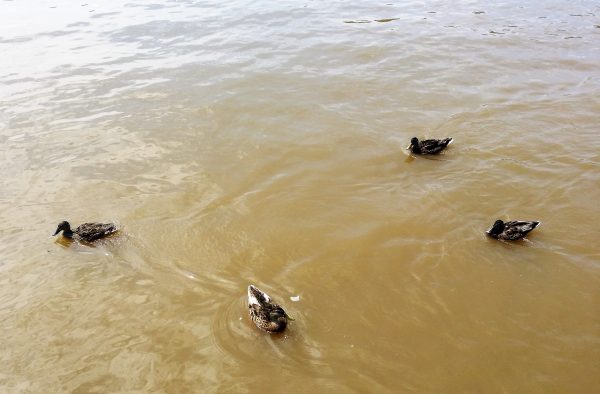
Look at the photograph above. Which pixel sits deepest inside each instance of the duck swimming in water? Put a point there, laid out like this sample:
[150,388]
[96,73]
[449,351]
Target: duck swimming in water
[88,231]
[267,315]
[511,231]
[428,147]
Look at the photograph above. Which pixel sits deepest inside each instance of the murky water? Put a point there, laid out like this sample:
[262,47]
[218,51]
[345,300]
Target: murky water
[262,142]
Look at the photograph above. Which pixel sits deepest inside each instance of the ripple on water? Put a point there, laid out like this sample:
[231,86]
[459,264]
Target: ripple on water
[236,336]
[261,142]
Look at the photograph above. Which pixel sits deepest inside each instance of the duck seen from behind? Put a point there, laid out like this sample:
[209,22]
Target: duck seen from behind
[428,147]
[267,315]
[512,230]
[87,232]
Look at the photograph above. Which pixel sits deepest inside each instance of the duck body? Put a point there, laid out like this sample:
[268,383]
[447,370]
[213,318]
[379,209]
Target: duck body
[267,315]
[513,230]
[428,147]
[88,232]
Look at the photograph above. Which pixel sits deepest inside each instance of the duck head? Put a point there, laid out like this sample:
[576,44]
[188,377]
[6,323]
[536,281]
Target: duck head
[497,228]
[65,227]
[414,144]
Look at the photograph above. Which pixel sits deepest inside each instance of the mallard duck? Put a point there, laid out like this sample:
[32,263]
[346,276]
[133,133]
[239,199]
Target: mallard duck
[88,231]
[428,147]
[267,315]
[511,230]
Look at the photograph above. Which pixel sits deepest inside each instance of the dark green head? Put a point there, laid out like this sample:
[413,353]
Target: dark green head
[497,228]
[414,145]
[64,226]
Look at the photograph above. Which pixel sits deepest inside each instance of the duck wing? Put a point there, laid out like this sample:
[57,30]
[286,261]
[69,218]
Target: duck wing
[435,146]
[271,318]
[92,231]
[518,229]
[259,313]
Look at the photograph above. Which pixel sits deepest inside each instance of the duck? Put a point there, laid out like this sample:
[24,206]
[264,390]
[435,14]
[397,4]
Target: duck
[428,147]
[267,315]
[88,232]
[513,230]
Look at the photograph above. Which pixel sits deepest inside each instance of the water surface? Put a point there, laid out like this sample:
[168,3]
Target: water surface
[260,142]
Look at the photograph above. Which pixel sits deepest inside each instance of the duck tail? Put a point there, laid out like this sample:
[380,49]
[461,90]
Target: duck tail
[257,297]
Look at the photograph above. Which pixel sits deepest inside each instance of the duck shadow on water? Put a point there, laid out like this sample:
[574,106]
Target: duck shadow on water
[511,245]
[410,157]
[70,242]
[234,332]
[102,246]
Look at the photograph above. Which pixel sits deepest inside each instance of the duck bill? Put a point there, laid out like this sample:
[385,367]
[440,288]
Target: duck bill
[409,146]
[56,232]
[289,317]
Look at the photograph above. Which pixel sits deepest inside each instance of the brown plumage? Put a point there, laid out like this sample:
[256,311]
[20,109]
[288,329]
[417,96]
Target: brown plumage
[428,147]
[88,231]
[513,230]
[267,315]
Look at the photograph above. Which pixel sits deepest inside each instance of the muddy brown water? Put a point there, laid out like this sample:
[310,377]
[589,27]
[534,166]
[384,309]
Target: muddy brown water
[262,142]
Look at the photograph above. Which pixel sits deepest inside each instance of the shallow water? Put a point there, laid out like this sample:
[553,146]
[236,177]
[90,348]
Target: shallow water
[261,142]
